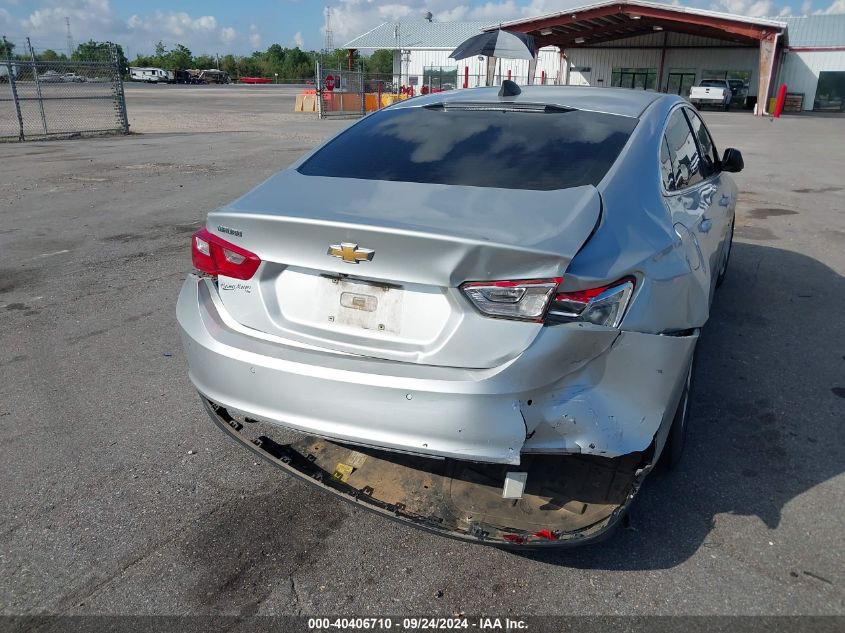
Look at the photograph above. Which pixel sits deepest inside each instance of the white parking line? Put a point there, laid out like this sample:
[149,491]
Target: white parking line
[49,254]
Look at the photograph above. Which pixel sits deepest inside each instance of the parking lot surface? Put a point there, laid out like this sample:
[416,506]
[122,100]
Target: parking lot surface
[120,496]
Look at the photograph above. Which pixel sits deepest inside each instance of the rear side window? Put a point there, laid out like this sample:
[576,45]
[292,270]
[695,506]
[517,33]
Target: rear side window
[666,170]
[705,142]
[683,151]
[540,149]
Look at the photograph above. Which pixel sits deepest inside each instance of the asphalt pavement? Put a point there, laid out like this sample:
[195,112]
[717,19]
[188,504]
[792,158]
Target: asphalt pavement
[119,496]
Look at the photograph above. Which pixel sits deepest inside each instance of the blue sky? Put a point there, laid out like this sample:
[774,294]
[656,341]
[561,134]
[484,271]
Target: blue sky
[215,26]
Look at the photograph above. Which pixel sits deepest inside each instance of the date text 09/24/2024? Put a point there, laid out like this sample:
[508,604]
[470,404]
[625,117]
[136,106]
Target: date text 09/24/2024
[416,624]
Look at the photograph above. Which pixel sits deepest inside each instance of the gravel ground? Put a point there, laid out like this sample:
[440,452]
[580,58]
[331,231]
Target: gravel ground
[267,109]
[120,497]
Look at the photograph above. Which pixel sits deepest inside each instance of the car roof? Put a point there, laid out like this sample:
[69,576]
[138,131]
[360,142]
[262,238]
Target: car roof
[621,101]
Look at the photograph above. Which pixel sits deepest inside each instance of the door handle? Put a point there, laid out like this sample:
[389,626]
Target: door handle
[724,201]
[705,225]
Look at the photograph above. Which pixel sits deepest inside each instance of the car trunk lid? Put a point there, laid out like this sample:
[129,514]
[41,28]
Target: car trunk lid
[373,267]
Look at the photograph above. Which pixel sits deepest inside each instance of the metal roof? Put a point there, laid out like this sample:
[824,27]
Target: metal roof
[417,34]
[806,31]
[621,19]
[621,101]
[816,30]
[779,23]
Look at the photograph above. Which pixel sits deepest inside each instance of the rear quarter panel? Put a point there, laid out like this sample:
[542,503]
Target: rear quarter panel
[636,237]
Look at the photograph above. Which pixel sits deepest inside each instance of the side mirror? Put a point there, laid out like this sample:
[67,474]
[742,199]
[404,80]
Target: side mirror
[732,160]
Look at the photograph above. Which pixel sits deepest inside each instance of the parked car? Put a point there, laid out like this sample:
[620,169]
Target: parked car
[487,328]
[712,92]
[739,92]
[4,73]
[51,76]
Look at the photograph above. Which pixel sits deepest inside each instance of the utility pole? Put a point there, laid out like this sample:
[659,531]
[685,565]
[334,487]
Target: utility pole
[397,35]
[70,45]
[329,43]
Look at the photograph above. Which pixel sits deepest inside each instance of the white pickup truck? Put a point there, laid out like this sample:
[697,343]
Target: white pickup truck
[714,92]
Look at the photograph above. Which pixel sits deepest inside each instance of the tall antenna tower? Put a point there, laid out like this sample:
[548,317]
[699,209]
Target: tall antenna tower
[329,44]
[70,45]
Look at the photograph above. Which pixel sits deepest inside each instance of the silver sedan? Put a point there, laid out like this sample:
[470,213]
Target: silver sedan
[474,311]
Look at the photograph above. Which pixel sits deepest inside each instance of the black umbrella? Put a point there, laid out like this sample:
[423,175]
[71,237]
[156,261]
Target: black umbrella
[497,43]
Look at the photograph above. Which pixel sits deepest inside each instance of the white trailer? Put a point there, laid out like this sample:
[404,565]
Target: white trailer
[150,75]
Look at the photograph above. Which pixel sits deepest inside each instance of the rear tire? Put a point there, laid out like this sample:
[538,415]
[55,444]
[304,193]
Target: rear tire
[677,439]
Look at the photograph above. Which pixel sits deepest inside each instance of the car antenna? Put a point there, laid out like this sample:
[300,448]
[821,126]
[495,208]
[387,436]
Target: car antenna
[509,89]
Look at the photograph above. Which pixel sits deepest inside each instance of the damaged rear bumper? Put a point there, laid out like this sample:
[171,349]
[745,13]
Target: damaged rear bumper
[569,501]
[577,389]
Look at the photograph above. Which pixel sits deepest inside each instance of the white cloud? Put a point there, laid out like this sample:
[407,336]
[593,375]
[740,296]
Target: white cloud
[351,18]
[95,19]
[750,8]
[254,37]
[173,25]
[298,40]
[837,6]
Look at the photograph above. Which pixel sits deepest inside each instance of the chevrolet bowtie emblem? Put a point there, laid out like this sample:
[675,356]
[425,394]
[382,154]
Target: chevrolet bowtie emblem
[350,253]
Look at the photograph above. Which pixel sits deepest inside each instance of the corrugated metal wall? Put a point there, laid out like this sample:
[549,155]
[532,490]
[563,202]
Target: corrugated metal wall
[714,59]
[672,39]
[601,60]
[800,71]
[816,30]
[425,58]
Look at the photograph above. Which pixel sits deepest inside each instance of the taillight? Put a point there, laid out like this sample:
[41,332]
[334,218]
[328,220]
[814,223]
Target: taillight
[215,256]
[524,300]
[604,305]
[539,300]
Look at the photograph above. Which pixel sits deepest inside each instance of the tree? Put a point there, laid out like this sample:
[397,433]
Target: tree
[229,64]
[50,56]
[297,65]
[144,61]
[204,62]
[335,59]
[6,48]
[179,58]
[276,54]
[92,51]
[381,62]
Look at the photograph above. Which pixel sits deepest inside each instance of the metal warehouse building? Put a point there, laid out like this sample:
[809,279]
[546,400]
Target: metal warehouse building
[634,44]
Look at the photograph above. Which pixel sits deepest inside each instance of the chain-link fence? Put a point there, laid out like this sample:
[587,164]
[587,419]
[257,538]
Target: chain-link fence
[340,93]
[43,99]
[348,93]
[345,93]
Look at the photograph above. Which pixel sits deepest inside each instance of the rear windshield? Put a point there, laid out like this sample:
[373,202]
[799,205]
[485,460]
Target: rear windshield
[719,83]
[513,150]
